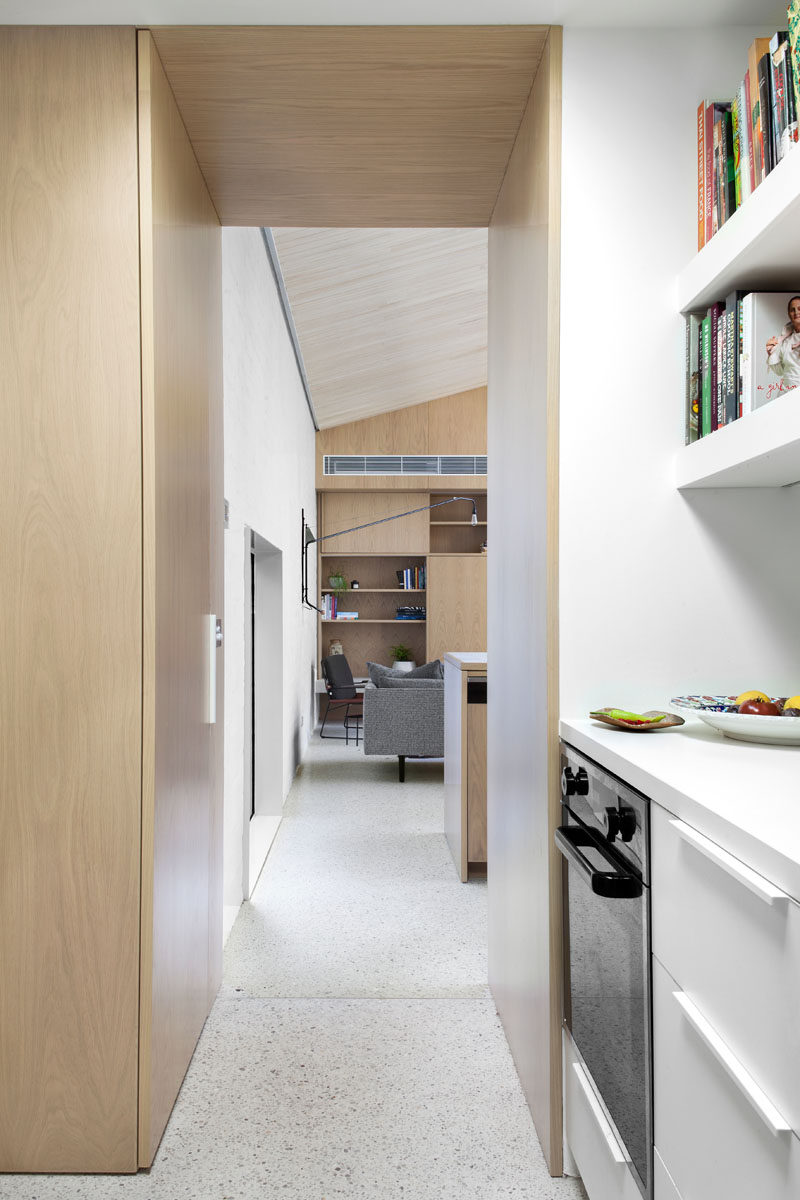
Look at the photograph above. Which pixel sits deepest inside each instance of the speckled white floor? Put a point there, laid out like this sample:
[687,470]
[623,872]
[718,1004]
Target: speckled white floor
[354,1050]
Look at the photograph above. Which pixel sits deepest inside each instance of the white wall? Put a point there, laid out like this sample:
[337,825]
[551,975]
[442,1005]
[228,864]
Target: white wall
[269,477]
[661,592]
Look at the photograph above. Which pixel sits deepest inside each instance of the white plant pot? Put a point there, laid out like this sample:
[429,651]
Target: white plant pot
[403,666]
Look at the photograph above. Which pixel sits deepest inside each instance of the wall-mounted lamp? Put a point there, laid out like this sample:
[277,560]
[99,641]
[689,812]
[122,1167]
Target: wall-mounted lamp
[308,538]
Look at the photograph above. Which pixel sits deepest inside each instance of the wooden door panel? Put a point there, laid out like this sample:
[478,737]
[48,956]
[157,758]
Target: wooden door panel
[181,387]
[70,597]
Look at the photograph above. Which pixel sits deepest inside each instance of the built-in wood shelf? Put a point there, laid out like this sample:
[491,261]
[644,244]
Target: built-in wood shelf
[752,249]
[368,621]
[761,449]
[397,591]
[450,524]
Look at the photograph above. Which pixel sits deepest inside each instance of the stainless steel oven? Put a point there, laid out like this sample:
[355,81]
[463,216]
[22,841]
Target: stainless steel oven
[604,838]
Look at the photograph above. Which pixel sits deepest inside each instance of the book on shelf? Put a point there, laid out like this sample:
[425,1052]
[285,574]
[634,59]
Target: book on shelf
[411,578]
[754,357]
[758,48]
[793,14]
[694,327]
[740,141]
[765,376]
[346,616]
[705,377]
[732,366]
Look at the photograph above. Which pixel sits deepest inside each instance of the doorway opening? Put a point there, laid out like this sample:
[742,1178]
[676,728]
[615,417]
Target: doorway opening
[263,690]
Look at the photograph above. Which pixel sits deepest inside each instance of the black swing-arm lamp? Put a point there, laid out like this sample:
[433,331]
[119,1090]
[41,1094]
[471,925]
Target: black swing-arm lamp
[308,538]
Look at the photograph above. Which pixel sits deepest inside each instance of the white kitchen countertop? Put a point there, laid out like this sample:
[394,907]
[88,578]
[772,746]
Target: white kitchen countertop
[745,797]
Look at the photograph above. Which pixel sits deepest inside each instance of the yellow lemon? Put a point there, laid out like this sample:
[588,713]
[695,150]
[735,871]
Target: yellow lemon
[792,702]
[751,696]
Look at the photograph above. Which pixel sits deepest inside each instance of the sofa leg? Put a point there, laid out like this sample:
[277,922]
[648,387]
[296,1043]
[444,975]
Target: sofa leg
[402,762]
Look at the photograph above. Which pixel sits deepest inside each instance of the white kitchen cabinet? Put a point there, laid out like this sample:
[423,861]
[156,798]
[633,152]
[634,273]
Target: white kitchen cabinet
[593,1143]
[732,940]
[712,1122]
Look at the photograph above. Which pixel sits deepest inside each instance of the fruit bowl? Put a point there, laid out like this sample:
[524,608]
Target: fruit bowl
[742,727]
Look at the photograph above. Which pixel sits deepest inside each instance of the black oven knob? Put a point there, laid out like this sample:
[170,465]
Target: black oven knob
[574,785]
[627,824]
[612,823]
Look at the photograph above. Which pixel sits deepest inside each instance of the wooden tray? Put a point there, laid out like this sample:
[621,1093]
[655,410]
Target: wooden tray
[672,719]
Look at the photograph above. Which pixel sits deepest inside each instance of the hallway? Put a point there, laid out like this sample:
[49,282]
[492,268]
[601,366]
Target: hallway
[353,1050]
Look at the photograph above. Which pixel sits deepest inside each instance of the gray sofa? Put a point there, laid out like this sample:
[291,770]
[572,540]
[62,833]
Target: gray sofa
[404,717]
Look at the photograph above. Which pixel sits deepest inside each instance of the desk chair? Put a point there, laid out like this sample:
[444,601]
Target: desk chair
[342,693]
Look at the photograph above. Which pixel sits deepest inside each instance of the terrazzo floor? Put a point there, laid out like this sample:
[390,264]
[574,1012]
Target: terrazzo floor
[354,1050]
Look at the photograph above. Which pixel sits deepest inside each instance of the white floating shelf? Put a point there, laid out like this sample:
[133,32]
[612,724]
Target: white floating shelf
[761,449]
[754,248]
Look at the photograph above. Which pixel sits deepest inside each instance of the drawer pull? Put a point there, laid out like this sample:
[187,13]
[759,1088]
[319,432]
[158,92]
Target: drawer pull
[600,1117]
[750,879]
[762,1104]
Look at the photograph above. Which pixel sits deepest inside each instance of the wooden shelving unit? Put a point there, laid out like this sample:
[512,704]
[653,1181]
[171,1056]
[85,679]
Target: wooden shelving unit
[450,550]
[761,449]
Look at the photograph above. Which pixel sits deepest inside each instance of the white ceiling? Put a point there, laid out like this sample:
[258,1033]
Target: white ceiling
[586,13]
[386,317]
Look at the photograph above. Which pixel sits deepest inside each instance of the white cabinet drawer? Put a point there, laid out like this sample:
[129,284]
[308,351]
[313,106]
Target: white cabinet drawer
[711,1126]
[599,1156]
[663,1183]
[732,941]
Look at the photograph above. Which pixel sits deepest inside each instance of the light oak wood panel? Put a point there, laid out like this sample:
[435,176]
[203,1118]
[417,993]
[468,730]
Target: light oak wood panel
[457,423]
[455,732]
[181,337]
[352,126]
[70,595]
[476,783]
[343,510]
[523,796]
[372,643]
[406,431]
[386,317]
[456,603]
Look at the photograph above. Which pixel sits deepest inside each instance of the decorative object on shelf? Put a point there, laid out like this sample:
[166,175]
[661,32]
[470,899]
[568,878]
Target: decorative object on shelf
[354,585]
[620,718]
[308,538]
[335,647]
[338,582]
[401,656]
[722,713]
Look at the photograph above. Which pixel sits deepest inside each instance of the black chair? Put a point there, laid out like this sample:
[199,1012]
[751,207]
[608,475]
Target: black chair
[341,694]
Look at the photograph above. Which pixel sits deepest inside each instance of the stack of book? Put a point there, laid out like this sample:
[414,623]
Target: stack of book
[740,354]
[332,612]
[413,578]
[411,612]
[739,141]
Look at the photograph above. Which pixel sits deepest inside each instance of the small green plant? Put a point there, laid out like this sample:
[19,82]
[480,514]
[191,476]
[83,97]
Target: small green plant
[401,653]
[338,582]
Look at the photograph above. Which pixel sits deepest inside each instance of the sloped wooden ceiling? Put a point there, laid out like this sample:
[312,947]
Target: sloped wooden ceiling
[386,317]
[352,126]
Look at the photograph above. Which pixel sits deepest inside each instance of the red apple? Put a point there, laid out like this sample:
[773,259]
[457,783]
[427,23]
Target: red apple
[759,708]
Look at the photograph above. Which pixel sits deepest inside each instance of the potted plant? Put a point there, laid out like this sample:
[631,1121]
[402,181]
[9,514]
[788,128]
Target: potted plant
[402,659]
[337,582]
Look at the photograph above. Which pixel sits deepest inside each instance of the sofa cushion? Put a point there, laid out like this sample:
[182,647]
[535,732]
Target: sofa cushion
[395,680]
[431,670]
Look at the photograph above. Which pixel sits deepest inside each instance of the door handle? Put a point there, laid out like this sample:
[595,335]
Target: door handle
[774,1121]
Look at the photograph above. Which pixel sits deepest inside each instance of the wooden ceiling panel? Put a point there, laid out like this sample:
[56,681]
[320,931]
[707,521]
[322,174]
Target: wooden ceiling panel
[334,126]
[386,318]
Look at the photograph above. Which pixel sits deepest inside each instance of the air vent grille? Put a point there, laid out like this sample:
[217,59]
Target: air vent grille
[404,464]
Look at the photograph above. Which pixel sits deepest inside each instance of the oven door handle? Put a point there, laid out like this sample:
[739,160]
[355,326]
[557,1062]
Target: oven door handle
[616,884]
